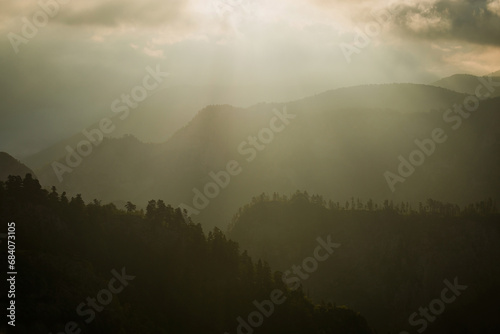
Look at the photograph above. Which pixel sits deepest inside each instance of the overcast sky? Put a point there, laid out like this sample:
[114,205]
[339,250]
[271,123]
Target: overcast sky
[89,52]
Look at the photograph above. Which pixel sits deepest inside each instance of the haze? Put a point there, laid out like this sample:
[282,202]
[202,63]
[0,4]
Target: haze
[250,166]
[66,77]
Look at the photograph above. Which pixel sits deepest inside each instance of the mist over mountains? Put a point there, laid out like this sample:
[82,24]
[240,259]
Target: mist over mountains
[250,167]
[339,144]
[393,168]
[166,110]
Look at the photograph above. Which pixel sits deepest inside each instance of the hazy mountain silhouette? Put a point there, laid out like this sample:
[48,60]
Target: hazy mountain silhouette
[466,83]
[340,145]
[11,166]
[401,97]
[167,110]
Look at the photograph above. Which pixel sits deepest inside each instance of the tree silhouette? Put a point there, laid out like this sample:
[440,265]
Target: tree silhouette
[130,207]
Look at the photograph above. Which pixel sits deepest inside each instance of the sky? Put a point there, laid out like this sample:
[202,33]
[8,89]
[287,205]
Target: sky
[63,62]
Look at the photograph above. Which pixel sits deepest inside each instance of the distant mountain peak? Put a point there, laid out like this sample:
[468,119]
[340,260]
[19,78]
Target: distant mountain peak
[463,83]
[495,74]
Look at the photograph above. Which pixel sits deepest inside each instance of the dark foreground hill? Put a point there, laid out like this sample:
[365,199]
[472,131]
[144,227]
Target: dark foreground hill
[92,268]
[392,259]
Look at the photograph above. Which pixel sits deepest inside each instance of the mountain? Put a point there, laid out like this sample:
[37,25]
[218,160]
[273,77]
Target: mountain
[11,166]
[165,111]
[97,269]
[466,83]
[390,259]
[343,143]
[406,98]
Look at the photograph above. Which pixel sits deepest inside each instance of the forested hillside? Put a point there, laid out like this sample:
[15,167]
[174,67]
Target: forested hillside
[174,278]
[393,258]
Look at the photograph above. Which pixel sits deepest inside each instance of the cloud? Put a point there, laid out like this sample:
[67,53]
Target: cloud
[92,51]
[119,12]
[473,21]
[494,7]
[104,13]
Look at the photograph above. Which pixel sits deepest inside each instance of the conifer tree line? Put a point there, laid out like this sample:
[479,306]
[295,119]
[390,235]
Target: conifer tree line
[186,281]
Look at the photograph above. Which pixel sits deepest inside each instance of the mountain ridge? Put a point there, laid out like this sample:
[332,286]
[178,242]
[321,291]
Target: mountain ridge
[11,166]
[376,96]
[346,146]
[466,83]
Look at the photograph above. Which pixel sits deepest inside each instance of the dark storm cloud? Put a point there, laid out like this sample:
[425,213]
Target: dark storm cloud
[474,21]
